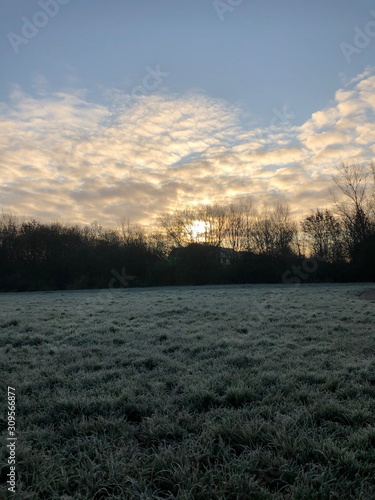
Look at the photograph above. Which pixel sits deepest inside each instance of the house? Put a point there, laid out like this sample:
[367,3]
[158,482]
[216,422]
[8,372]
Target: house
[199,251]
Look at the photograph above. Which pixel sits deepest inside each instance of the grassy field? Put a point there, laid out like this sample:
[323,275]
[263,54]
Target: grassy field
[227,392]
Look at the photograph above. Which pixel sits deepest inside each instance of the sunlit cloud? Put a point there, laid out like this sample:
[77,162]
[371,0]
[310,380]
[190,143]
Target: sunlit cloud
[68,158]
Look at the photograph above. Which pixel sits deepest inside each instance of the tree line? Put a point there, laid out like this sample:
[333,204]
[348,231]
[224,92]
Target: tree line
[239,242]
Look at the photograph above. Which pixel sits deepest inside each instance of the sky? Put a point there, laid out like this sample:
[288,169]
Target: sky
[113,109]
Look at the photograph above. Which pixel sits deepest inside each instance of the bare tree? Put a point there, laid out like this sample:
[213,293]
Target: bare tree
[372,190]
[285,228]
[179,226]
[249,214]
[353,199]
[240,224]
[274,231]
[173,228]
[324,232]
[235,228]
[214,218]
[158,244]
[132,234]
[8,224]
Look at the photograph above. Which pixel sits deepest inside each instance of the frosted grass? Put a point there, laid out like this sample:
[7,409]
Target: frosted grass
[228,392]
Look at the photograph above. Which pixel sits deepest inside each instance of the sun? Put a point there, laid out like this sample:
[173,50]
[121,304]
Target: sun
[197,230]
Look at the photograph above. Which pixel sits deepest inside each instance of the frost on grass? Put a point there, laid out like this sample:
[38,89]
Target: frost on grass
[212,392]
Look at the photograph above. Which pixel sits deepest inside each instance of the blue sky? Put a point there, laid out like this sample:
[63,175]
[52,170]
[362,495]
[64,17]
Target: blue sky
[179,101]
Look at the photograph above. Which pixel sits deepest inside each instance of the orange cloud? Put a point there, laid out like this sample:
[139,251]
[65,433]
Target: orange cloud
[64,157]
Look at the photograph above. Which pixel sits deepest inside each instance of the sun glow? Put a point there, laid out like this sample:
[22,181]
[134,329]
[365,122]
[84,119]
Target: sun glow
[197,230]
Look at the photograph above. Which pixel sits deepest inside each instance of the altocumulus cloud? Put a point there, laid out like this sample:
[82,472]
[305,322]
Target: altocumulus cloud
[66,157]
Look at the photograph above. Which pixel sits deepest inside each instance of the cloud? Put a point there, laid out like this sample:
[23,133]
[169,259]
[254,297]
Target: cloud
[318,142]
[66,157]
